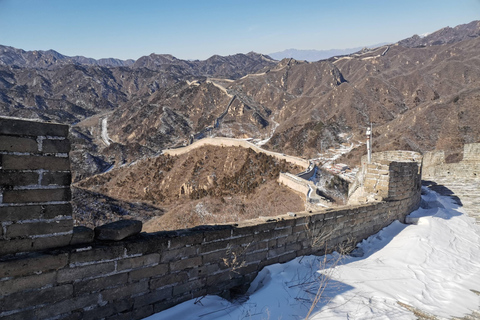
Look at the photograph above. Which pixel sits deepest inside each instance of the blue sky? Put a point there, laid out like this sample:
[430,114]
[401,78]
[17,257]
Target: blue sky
[199,29]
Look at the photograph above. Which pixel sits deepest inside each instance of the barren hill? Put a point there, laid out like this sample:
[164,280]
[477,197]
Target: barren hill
[306,107]
[420,94]
[206,185]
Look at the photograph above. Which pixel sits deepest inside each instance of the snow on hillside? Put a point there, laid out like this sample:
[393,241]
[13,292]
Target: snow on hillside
[431,266]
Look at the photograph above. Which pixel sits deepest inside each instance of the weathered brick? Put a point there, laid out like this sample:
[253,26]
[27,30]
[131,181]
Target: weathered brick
[15,246]
[213,246]
[74,315]
[169,303]
[66,306]
[244,231]
[215,256]
[213,280]
[259,246]
[293,247]
[8,178]
[24,283]
[81,235]
[51,242]
[136,313]
[185,263]
[18,144]
[22,315]
[77,273]
[188,286]
[152,297]
[138,262]
[265,227]
[21,300]
[287,257]
[110,309]
[287,222]
[245,240]
[56,178]
[150,272]
[94,285]
[124,291]
[201,271]
[36,195]
[38,228]
[56,146]
[283,232]
[12,126]
[256,256]
[186,239]
[97,253]
[118,230]
[299,229]
[281,241]
[275,252]
[13,162]
[54,210]
[168,280]
[177,254]
[146,243]
[213,235]
[32,263]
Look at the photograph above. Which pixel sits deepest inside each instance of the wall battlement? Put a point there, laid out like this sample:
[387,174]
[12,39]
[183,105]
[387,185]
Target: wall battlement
[469,167]
[145,273]
[35,209]
[391,176]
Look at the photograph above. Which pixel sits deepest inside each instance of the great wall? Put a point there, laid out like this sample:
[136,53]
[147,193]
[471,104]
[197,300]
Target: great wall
[52,270]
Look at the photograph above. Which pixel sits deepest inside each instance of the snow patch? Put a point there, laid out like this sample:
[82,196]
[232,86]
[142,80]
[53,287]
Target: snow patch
[431,266]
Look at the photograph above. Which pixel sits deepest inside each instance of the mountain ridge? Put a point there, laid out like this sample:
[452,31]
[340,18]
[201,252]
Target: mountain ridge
[301,107]
[315,55]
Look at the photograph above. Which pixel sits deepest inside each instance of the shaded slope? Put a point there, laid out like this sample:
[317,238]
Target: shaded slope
[230,183]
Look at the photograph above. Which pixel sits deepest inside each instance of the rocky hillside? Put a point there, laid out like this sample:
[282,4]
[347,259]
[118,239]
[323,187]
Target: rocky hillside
[228,184]
[420,94]
[10,56]
[49,86]
[444,36]
[409,93]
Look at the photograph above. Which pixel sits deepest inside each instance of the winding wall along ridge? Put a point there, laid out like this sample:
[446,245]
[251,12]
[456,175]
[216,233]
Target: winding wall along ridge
[231,142]
[49,271]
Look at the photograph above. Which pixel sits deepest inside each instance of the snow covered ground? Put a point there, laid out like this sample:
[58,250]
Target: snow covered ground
[431,267]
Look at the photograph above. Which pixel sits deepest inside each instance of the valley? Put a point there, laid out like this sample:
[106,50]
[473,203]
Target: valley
[419,94]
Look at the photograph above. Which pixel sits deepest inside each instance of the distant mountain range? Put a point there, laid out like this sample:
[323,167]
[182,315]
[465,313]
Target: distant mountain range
[420,93]
[315,55]
[44,59]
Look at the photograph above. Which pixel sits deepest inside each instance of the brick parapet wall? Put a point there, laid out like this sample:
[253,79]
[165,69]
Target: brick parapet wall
[471,152]
[469,167]
[139,276]
[35,209]
[293,182]
[391,175]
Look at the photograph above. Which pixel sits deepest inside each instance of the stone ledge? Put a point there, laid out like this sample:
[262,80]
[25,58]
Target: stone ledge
[118,230]
[82,235]
[23,127]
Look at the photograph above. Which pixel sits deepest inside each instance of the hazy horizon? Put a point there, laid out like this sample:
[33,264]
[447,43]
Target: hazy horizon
[197,30]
